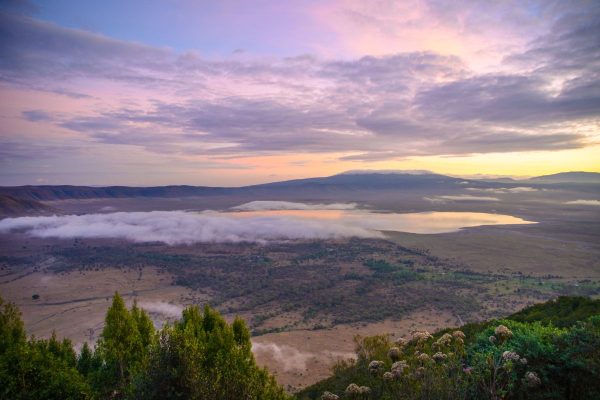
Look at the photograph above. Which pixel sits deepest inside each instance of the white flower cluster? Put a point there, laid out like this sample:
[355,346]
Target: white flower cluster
[353,389]
[503,333]
[398,368]
[531,379]
[421,336]
[394,353]
[514,357]
[329,396]
[375,367]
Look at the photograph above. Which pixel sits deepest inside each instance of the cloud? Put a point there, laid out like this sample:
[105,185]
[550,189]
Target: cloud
[36,115]
[518,189]
[480,31]
[262,205]
[434,200]
[292,359]
[26,150]
[160,307]
[289,357]
[466,197]
[584,202]
[178,227]
[370,108]
[521,189]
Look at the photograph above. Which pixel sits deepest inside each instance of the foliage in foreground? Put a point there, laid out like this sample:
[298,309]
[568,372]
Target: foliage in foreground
[506,359]
[199,357]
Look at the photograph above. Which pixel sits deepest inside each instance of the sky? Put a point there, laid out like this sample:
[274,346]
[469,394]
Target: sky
[230,93]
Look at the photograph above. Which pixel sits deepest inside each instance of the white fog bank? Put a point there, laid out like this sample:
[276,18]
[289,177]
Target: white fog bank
[179,227]
[259,222]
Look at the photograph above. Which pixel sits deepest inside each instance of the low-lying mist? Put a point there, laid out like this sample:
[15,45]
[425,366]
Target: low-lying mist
[292,359]
[180,227]
[259,222]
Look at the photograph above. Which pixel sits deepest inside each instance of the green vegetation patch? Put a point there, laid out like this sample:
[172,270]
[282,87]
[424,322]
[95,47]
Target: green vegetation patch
[200,356]
[562,312]
[522,357]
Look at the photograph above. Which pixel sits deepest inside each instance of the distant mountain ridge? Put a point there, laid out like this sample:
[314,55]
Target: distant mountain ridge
[64,192]
[372,180]
[350,180]
[568,177]
[13,207]
[388,171]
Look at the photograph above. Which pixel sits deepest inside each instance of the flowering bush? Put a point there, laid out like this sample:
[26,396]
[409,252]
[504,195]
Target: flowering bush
[503,360]
[418,368]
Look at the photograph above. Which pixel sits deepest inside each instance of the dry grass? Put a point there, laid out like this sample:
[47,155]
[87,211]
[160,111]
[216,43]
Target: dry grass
[302,357]
[497,250]
[74,304]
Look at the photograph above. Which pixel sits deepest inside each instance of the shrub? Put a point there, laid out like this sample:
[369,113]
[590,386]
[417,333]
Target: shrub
[199,357]
[504,359]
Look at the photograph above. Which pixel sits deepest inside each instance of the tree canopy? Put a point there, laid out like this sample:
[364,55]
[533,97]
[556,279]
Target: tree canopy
[200,356]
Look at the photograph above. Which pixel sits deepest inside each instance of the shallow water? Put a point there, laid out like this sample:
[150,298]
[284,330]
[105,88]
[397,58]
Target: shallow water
[423,222]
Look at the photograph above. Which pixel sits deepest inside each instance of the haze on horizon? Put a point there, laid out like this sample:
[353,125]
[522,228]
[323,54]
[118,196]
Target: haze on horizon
[228,93]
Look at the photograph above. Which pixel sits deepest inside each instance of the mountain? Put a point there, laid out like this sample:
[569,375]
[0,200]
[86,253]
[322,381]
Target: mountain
[373,180]
[12,207]
[361,180]
[568,177]
[62,192]
[364,180]
[387,172]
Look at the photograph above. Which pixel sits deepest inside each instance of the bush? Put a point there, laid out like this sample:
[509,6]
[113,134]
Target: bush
[36,368]
[199,357]
[504,359]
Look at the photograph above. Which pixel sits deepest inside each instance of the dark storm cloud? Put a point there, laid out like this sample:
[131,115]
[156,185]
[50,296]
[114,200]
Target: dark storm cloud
[372,108]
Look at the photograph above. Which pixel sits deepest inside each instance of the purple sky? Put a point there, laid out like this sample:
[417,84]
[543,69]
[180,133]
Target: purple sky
[237,92]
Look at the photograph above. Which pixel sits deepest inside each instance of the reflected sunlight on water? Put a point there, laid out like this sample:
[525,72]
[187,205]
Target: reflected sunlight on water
[423,222]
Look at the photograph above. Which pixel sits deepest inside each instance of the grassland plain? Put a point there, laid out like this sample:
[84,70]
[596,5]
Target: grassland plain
[292,293]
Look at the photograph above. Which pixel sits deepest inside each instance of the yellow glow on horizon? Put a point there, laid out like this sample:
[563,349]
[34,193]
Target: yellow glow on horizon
[522,164]
[533,163]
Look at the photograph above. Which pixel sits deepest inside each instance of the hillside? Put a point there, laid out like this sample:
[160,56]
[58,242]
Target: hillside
[13,207]
[375,180]
[549,350]
[203,356]
[351,181]
[62,192]
[568,177]
[361,181]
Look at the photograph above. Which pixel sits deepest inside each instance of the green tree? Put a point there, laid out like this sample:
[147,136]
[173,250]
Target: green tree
[144,325]
[577,370]
[203,357]
[12,331]
[36,368]
[121,349]
[85,360]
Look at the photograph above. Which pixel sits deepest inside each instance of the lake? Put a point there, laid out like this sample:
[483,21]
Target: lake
[422,222]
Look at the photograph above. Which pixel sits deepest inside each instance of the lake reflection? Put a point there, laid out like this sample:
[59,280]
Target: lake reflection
[423,222]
